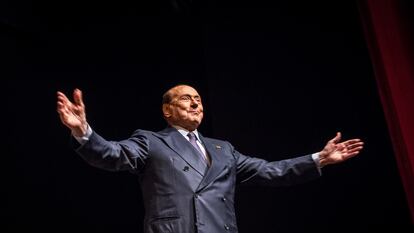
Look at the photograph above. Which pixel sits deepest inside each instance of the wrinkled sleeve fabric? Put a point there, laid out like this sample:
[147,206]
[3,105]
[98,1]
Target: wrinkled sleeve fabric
[255,171]
[129,154]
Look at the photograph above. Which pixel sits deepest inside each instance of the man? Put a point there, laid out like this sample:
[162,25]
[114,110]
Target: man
[187,180]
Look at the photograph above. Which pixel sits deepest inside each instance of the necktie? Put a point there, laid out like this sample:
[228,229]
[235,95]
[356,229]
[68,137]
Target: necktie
[193,141]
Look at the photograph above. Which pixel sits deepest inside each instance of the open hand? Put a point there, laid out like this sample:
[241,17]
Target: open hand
[336,151]
[72,114]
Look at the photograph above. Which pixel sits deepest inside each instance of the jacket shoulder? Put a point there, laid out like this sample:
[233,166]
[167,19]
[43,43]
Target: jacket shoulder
[148,133]
[143,133]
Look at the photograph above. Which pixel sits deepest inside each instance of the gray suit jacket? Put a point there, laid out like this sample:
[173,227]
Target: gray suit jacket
[179,197]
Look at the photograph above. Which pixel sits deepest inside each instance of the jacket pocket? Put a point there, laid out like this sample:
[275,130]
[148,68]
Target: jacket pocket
[167,224]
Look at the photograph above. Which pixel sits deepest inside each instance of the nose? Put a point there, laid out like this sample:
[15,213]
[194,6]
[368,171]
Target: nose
[194,104]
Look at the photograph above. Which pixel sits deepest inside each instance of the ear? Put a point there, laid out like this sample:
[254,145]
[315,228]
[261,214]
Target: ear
[166,110]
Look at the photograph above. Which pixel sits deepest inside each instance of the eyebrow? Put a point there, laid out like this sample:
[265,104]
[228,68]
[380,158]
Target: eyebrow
[195,96]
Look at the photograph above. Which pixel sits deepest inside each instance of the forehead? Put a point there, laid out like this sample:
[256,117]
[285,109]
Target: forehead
[185,90]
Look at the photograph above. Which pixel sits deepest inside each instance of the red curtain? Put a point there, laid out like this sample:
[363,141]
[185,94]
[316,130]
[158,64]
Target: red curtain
[390,40]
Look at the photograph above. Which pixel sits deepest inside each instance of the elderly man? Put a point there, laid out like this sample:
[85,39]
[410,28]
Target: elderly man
[188,180]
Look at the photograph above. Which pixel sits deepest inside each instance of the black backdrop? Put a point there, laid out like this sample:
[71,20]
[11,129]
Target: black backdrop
[278,81]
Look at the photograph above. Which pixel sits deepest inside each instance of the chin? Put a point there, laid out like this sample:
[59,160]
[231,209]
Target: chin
[195,125]
[195,120]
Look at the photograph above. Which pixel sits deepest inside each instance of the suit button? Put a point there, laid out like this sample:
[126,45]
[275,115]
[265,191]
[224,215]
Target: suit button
[186,168]
[226,227]
[196,196]
[223,199]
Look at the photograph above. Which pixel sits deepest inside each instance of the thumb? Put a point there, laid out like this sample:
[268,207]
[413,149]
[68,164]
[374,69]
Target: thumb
[77,97]
[337,138]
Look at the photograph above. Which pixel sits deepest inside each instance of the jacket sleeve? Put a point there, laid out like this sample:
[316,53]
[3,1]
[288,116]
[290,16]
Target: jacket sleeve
[129,154]
[253,171]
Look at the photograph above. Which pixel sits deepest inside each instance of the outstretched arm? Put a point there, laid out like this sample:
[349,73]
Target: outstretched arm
[129,154]
[72,114]
[336,151]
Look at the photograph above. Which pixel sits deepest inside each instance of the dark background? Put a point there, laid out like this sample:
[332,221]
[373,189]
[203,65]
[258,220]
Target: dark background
[277,81]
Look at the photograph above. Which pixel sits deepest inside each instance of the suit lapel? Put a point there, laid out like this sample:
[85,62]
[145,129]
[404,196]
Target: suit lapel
[183,148]
[218,162]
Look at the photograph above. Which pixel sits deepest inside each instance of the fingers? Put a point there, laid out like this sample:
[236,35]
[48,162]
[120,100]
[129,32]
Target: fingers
[62,98]
[354,144]
[355,150]
[77,97]
[352,141]
[71,114]
[63,102]
[62,108]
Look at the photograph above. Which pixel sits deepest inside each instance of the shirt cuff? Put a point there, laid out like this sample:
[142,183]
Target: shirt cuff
[82,140]
[315,157]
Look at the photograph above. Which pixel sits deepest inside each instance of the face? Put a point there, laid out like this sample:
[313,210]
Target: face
[185,109]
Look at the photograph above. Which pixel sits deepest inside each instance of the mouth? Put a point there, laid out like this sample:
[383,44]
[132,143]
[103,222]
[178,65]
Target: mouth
[194,112]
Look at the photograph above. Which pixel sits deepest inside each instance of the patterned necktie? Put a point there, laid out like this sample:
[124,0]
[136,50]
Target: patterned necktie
[193,141]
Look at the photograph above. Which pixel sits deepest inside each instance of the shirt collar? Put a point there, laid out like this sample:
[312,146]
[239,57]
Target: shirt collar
[184,132]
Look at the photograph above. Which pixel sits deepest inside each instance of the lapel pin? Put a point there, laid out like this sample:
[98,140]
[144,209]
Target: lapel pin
[218,147]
